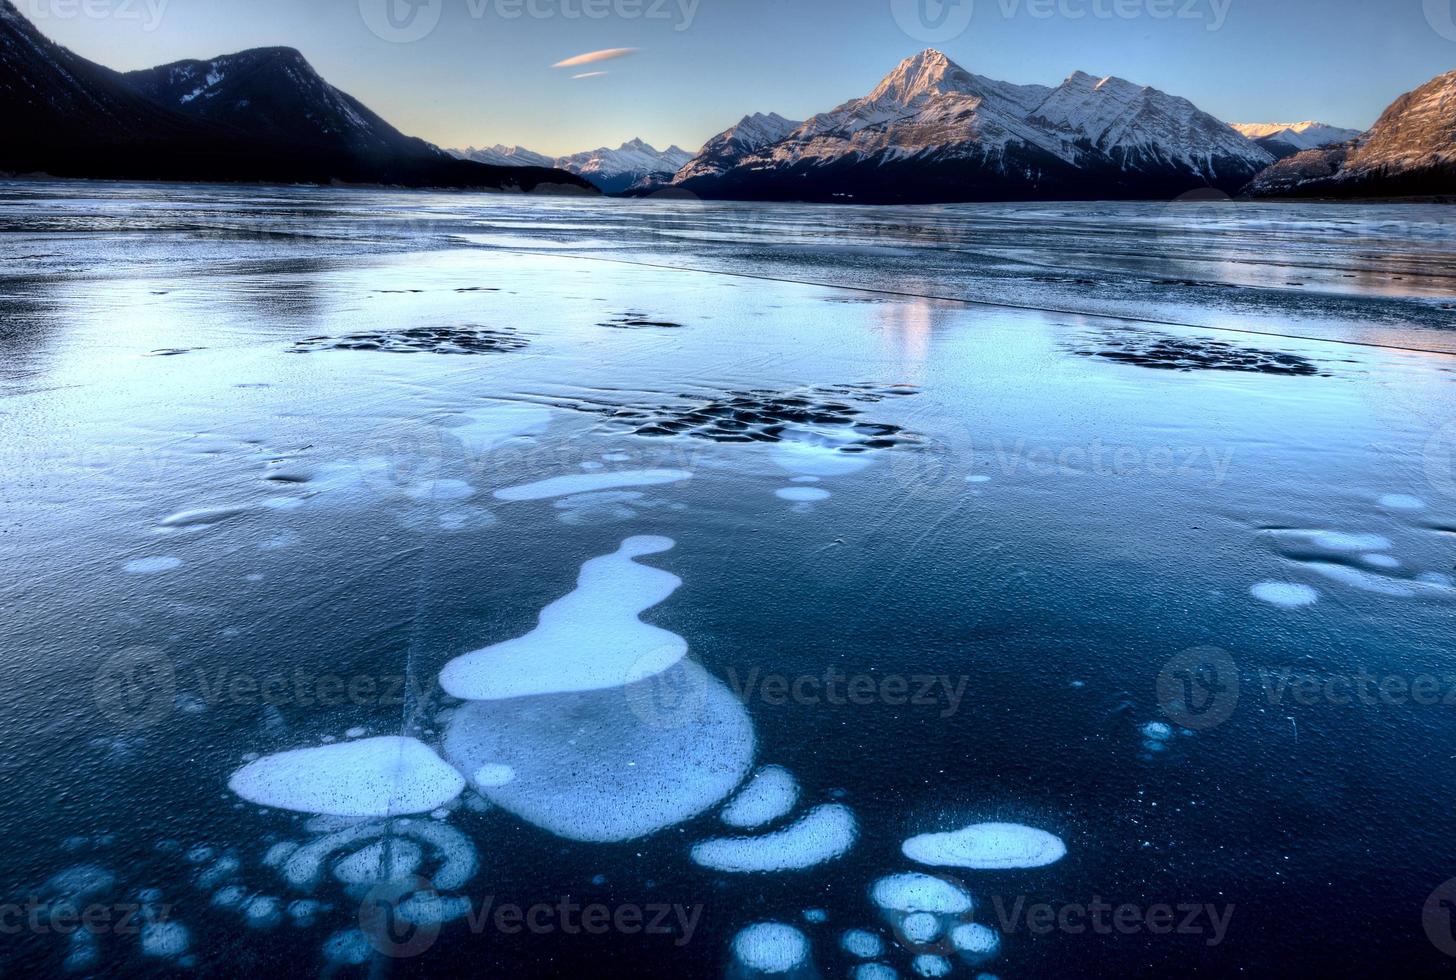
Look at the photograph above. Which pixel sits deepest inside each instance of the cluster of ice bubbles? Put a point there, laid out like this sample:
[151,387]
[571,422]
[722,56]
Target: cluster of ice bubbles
[1356,560]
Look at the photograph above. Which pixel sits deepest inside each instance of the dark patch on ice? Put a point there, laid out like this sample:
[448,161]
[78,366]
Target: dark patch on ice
[479,289]
[422,340]
[173,351]
[1165,352]
[633,321]
[765,416]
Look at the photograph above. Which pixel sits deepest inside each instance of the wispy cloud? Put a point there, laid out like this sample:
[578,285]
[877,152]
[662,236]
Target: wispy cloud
[592,57]
[590,74]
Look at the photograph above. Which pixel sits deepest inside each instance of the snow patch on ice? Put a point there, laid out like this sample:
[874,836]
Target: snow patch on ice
[1286,595]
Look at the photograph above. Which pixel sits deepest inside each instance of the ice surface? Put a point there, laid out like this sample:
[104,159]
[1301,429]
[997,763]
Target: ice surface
[389,859]
[987,846]
[1287,595]
[823,834]
[576,483]
[1339,540]
[489,428]
[802,453]
[440,491]
[874,971]
[769,795]
[350,947]
[802,495]
[588,640]
[373,777]
[202,517]
[164,940]
[862,943]
[920,927]
[915,892]
[771,947]
[492,774]
[611,764]
[1364,581]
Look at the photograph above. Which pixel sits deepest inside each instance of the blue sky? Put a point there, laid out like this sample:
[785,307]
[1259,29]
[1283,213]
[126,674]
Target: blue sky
[483,74]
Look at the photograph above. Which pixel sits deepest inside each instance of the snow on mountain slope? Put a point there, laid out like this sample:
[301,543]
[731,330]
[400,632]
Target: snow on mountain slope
[1287,139]
[616,170]
[933,131]
[504,156]
[725,150]
[1410,151]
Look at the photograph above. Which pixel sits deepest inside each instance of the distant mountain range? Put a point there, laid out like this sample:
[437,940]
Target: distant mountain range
[1409,152]
[261,115]
[612,171]
[1286,139]
[929,132]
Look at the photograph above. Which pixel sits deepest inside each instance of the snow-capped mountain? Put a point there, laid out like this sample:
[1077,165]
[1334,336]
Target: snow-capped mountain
[262,115]
[1410,151]
[616,170]
[725,150]
[1287,139]
[504,156]
[932,131]
[611,171]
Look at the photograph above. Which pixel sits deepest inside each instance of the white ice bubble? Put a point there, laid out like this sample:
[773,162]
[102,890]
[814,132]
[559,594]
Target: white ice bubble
[202,517]
[229,897]
[823,834]
[862,944]
[605,765]
[1381,561]
[164,940]
[1401,501]
[489,428]
[874,971]
[975,940]
[389,859]
[912,891]
[771,947]
[492,774]
[802,453]
[987,846]
[350,947]
[152,566]
[1438,579]
[588,640]
[1362,580]
[816,916]
[433,910]
[769,795]
[1157,731]
[440,491]
[262,912]
[1285,595]
[802,495]
[566,486]
[1339,540]
[978,478]
[369,778]
[920,927]
[926,965]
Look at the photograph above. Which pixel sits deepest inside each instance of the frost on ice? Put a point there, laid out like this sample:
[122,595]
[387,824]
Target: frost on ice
[821,835]
[374,777]
[588,640]
[988,846]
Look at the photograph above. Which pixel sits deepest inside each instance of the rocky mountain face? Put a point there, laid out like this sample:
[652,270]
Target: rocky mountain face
[1409,152]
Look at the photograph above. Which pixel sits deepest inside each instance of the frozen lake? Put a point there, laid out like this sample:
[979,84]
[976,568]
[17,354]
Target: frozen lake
[728,590]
